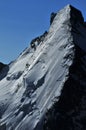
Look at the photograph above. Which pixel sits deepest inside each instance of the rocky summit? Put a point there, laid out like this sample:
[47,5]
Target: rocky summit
[45,87]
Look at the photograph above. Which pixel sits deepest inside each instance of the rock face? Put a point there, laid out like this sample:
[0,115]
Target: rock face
[38,40]
[69,113]
[1,66]
[45,88]
[52,17]
[3,70]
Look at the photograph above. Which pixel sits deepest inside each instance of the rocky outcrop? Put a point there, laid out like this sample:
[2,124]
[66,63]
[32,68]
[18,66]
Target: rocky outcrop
[52,17]
[3,70]
[2,66]
[36,41]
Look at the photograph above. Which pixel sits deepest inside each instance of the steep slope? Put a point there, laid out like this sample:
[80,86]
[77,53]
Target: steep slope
[35,80]
[69,113]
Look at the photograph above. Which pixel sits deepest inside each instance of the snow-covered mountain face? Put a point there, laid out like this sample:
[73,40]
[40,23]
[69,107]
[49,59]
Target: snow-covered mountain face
[44,87]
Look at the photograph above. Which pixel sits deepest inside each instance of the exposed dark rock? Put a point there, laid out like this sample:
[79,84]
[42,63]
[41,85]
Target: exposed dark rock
[52,17]
[3,127]
[14,76]
[76,15]
[85,24]
[3,70]
[36,41]
[2,66]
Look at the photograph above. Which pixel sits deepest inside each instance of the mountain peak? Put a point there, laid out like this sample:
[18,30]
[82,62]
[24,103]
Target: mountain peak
[45,88]
[74,14]
[72,11]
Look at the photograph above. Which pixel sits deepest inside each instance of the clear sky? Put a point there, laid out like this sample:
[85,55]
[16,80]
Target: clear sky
[23,20]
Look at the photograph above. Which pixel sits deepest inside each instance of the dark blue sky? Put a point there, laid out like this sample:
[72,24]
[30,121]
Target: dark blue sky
[22,20]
